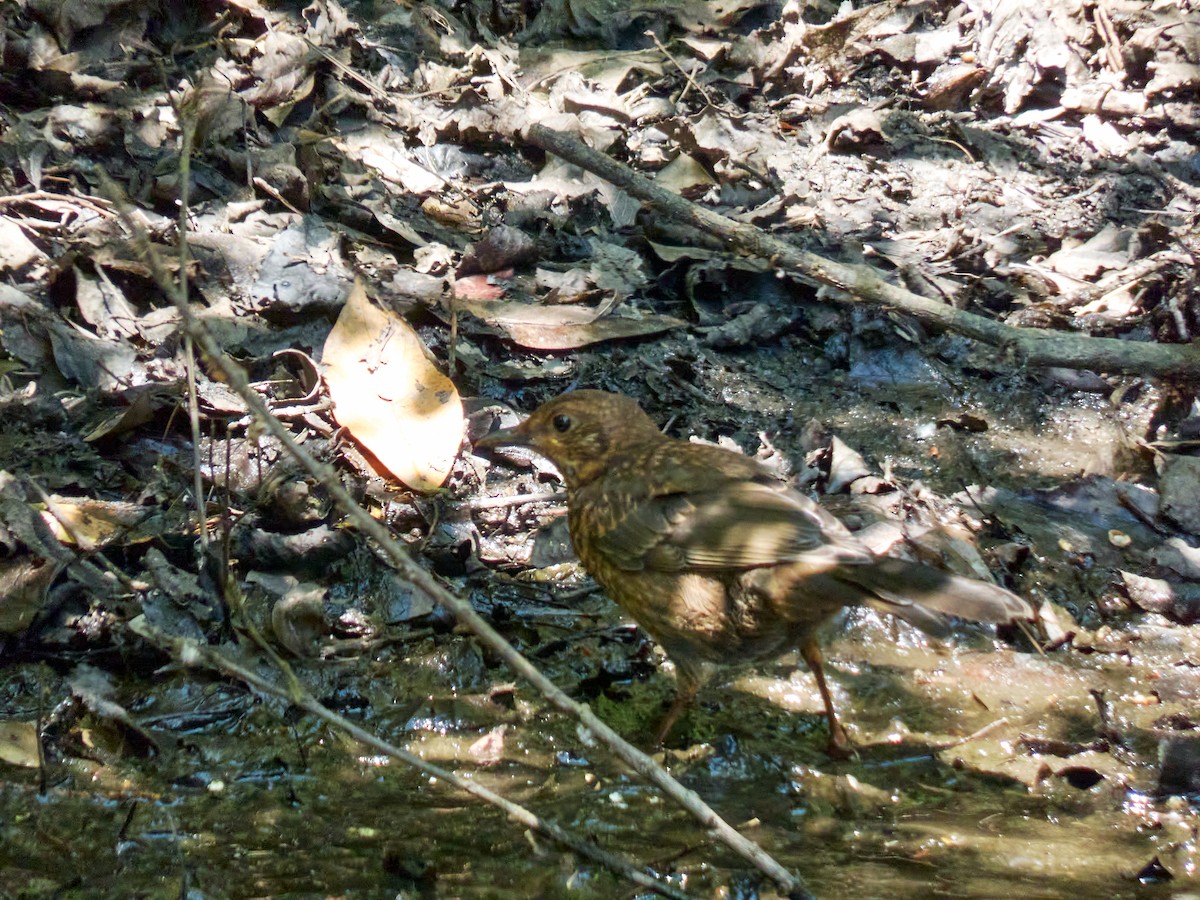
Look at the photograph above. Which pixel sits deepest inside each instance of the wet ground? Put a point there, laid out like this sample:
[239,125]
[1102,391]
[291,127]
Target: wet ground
[986,767]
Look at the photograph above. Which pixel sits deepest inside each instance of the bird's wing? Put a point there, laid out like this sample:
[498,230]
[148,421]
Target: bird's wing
[734,525]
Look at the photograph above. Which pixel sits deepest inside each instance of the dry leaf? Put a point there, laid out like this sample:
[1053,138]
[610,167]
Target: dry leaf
[479,287]
[684,175]
[19,744]
[564,327]
[389,395]
[92,523]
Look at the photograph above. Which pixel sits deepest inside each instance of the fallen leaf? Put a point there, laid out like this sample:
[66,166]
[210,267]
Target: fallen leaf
[478,287]
[684,175]
[389,395]
[564,327]
[489,748]
[19,744]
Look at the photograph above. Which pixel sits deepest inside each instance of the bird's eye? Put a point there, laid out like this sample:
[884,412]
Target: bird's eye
[562,423]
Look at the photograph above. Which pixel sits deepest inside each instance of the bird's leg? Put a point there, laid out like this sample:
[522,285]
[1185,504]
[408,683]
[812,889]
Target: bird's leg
[686,689]
[839,742]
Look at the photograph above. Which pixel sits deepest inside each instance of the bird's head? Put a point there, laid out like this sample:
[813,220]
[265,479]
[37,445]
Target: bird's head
[578,431]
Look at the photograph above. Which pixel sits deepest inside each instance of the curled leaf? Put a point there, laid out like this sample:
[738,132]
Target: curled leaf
[389,395]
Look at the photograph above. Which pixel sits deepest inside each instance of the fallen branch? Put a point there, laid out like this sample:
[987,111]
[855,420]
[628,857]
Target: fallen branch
[1028,346]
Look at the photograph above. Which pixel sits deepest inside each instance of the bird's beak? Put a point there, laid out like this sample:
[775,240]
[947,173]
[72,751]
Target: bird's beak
[504,437]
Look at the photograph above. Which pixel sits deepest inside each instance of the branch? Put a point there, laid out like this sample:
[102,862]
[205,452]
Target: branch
[237,380]
[1030,346]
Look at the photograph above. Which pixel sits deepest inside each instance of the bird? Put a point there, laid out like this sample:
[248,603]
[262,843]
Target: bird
[720,561]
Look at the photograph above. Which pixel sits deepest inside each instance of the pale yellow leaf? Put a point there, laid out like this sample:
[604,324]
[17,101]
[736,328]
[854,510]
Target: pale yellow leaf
[389,395]
[684,175]
[19,743]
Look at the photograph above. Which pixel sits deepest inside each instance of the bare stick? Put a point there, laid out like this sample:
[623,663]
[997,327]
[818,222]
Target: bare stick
[236,378]
[1029,346]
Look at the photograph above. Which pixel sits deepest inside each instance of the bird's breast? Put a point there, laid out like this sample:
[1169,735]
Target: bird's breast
[693,616]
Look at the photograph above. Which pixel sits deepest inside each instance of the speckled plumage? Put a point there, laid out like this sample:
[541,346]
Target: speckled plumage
[716,558]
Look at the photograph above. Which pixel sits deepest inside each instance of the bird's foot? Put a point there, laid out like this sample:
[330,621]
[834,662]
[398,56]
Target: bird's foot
[840,746]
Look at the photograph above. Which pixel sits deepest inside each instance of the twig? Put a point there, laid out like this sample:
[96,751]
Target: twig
[193,653]
[179,288]
[1108,34]
[479,503]
[96,204]
[691,82]
[270,191]
[973,736]
[861,283]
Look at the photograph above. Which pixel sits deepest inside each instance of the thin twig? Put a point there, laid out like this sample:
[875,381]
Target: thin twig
[691,82]
[180,289]
[96,204]
[479,503]
[644,765]
[973,736]
[194,653]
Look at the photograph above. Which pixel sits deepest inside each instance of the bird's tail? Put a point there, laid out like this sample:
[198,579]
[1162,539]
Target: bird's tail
[923,596]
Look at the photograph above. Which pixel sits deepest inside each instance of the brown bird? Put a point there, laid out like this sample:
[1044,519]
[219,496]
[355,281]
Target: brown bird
[716,558]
